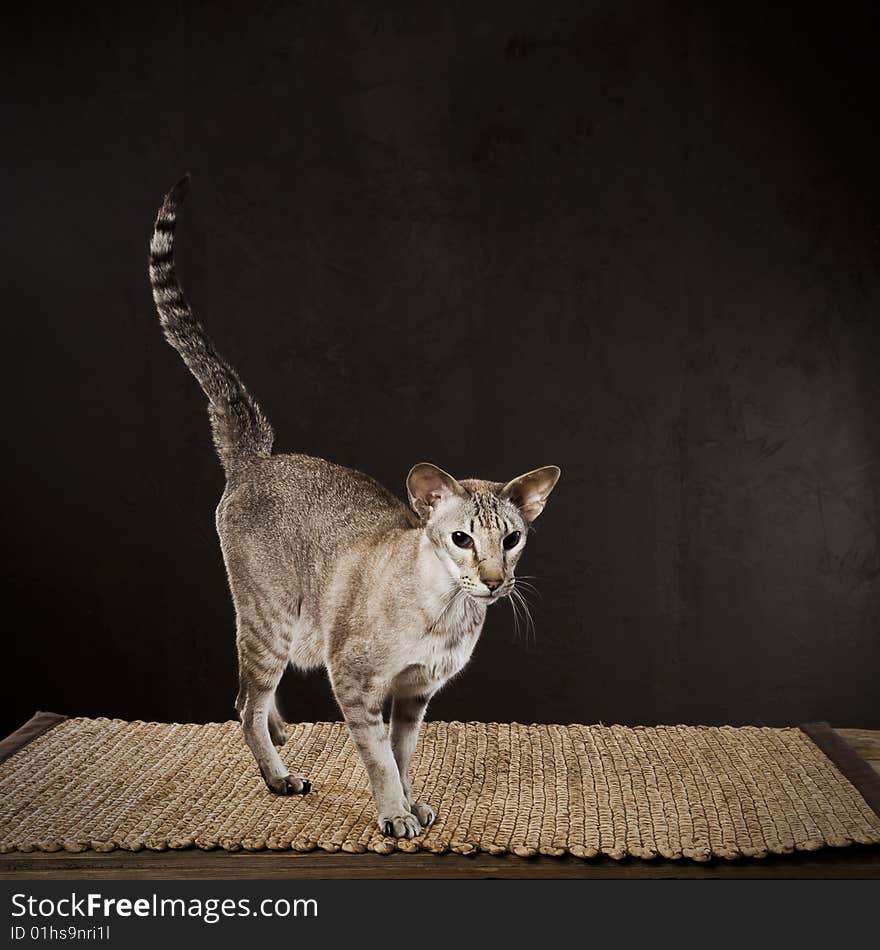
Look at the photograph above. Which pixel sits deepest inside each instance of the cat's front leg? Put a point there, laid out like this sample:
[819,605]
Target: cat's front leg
[363,714]
[407,713]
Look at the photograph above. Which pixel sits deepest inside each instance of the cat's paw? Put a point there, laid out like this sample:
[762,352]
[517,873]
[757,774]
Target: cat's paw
[399,826]
[293,784]
[424,813]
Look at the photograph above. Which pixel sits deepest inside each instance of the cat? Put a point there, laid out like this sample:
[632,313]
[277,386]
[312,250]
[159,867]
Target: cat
[328,568]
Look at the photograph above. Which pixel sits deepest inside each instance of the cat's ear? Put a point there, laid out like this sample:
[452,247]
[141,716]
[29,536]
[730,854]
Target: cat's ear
[529,492]
[427,486]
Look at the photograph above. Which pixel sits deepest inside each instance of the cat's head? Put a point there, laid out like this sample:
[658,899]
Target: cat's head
[478,529]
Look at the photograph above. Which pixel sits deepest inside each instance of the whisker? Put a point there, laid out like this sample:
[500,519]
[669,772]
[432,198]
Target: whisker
[521,627]
[447,601]
[529,621]
[525,585]
[515,620]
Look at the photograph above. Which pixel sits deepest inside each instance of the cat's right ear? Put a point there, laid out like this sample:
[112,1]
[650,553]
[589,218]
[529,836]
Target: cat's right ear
[427,486]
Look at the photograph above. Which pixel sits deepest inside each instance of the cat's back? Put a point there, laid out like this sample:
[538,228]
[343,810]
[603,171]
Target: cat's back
[304,500]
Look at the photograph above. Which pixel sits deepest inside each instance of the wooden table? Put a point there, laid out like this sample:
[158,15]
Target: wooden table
[852,862]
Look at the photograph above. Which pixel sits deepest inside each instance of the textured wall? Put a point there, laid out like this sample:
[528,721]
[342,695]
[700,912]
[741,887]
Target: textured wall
[635,240]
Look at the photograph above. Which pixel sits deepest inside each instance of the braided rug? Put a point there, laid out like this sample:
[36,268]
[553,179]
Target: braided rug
[675,791]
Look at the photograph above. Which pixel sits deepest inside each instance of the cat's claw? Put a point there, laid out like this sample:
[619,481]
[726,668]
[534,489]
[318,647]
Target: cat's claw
[424,813]
[289,785]
[400,826]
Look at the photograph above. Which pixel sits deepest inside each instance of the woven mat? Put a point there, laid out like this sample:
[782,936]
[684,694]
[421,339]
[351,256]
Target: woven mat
[676,791]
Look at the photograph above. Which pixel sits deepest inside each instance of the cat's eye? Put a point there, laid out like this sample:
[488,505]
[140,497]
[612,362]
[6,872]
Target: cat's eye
[512,540]
[462,540]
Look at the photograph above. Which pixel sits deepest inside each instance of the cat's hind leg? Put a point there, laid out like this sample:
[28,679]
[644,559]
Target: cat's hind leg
[262,657]
[277,729]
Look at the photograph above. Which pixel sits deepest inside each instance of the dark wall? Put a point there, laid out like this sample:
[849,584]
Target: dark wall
[638,240]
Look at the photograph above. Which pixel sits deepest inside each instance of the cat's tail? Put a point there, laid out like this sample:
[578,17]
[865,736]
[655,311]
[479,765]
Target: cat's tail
[240,429]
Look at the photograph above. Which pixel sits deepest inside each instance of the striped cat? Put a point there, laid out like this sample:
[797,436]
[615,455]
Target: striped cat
[328,568]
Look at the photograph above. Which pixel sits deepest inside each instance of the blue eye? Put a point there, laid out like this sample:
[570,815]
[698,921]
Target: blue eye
[462,540]
[512,540]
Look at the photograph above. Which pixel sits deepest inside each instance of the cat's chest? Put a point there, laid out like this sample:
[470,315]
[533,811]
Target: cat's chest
[443,652]
[441,662]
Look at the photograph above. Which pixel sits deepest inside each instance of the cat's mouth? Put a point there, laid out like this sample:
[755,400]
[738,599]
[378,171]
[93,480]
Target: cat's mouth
[490,597]
[483,594]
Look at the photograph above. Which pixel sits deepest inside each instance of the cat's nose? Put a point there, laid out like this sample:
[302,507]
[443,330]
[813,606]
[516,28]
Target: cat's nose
[492,585]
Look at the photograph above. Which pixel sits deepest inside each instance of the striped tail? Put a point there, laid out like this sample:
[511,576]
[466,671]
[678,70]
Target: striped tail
[240,429]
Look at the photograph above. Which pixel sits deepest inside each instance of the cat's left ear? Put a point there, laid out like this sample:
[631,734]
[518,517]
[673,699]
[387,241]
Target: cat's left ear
[427,486]
[529,492]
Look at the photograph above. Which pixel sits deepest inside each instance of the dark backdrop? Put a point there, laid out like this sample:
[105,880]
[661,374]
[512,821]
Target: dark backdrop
[638,240]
